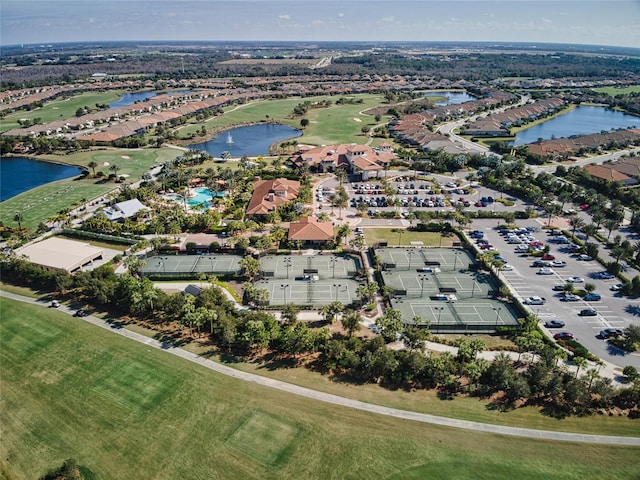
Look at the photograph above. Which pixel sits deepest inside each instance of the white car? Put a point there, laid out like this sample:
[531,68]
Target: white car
[534,301]
[545,271]
[558,263]
[575,280]
[506,267]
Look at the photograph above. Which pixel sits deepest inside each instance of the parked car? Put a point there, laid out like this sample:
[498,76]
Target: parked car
[564,336]
[545,271]
[610,332]
[554,324]
[617,287]
[540,263]
[55,304]
[584,258]
[548,256]
[558,263]
[575,280]
[534,301]
[604,275]
[588,312]
[80,313]
[591,297]
[569,297]
[506,267]
[558,288]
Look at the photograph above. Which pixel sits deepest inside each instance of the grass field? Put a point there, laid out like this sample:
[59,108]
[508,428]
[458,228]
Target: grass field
[613,91]
[39,204]
[60,109]
[336,124]
[123,410]
[400,236]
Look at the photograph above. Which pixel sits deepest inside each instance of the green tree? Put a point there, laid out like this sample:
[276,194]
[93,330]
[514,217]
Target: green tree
[19,218]
[92,165]
[390,324]
[251,266]
[351,322]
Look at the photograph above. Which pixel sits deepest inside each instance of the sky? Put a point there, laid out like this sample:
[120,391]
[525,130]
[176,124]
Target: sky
[602,22]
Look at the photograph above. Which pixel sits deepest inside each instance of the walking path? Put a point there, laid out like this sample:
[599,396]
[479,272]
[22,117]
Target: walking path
[347,402]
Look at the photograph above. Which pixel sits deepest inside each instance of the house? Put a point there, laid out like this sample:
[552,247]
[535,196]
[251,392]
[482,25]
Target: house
[310,231]
[268,195]
[362,160]
[609,173]
[123,210]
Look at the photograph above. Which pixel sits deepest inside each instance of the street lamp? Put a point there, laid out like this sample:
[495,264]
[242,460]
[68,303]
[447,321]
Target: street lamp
[455,258]
[337,286]
[439,309]
[284,292]
[333,261]
[410,254]
[422,278]
[287,264]
[400,232]
[497,310]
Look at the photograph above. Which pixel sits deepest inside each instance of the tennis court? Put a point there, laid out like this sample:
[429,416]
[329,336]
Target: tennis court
[444,289]
[175,265]
[310,292]
[324,265]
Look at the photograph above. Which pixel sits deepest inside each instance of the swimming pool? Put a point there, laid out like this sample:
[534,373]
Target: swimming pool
[199,196]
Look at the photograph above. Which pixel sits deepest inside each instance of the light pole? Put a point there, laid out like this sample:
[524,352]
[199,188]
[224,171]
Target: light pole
[422,279]
[410,254]
[400,232]
[497,310]
[439,309]
[455,259]
[284,292]
[333,261]
[287,264]
[337,286]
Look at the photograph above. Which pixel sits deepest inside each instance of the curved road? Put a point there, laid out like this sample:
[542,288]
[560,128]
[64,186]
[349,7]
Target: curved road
[347,402]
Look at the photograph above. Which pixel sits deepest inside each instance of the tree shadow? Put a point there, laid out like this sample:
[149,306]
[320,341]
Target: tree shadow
[169,341]
[633,310]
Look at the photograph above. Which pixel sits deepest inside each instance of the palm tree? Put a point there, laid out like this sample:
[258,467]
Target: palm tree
[590,230]
[114,168]
[611,224]
[576,222]
[18,217]
[92,165]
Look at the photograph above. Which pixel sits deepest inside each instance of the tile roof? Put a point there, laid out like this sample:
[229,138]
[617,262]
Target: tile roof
[308,228]
[270,194]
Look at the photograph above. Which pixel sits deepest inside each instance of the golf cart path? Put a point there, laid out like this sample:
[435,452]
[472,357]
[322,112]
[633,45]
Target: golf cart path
[342,401]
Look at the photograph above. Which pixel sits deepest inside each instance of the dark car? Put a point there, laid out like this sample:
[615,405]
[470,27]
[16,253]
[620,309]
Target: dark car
[610,332]
[80,313]
[554,324]
[564,336]
[587,312]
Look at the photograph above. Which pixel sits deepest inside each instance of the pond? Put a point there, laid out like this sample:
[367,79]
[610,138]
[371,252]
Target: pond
[251,141]
[453,98]
[579,121]
[133,97]
[18,175]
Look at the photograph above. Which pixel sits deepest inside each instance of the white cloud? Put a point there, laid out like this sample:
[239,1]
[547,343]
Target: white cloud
[284,17]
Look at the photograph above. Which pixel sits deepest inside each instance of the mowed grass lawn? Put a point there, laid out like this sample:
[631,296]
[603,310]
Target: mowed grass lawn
[40,203]
[124,410]
[401,236]
[60,109]
[334,124]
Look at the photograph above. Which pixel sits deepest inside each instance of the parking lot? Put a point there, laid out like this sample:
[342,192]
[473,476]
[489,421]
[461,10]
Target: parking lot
[535,280]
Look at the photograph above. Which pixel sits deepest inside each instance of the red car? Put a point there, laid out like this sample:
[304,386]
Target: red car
[548,257]
[584,206]
[564,336]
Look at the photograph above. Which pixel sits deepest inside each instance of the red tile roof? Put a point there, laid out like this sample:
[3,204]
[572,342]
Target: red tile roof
[270,194]
[308,228]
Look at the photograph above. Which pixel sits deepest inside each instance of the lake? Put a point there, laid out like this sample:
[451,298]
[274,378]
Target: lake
[453,98]
[19,175]
[133,97]
[251,141]
[579,121]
